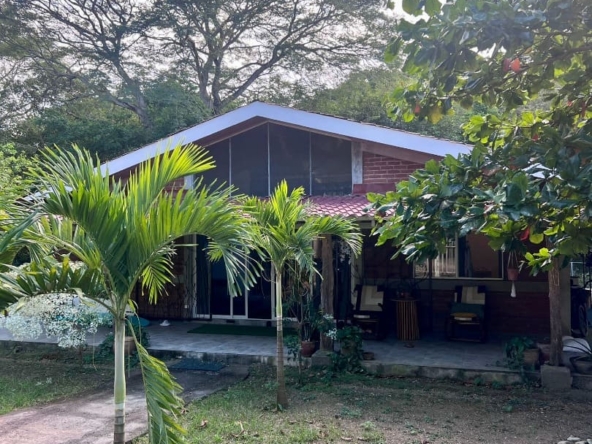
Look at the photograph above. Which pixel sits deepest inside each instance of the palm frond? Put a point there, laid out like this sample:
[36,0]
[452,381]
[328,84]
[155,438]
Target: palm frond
[152,178]
[162,400]
[50,276]
[285,230]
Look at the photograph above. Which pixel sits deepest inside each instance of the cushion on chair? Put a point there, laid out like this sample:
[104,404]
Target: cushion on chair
[361,316]
[464,316]
[371,297]
[474,309]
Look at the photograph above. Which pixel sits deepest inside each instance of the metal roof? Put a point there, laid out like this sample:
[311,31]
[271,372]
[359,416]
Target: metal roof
[283,115]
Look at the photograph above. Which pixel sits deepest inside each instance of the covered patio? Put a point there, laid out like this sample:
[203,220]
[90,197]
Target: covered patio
[428,357]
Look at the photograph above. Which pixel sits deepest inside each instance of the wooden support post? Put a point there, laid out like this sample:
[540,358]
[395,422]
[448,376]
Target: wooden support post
[556,357]
[327,286]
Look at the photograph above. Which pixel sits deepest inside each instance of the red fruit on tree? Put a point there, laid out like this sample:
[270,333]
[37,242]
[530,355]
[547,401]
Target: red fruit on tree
[417,109]
[535,137]
[515,65]
[525,234]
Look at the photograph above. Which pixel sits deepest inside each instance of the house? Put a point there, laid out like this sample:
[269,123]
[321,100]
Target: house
[337,161]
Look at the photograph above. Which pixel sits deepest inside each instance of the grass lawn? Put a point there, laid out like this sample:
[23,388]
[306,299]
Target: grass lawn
[364,409]
[42,375]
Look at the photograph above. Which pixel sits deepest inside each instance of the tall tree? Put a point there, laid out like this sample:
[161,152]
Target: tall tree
[283,232]
[227,46]
[82,48]
[105,129]
[528,175]
[70,49]
[124,235]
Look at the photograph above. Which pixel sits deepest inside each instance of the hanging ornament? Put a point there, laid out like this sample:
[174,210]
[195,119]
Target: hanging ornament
[513,271]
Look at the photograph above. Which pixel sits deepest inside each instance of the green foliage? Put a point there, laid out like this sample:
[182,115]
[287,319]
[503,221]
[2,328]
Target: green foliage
[528,177]
[163,402]
[283,232]
[108,130]
[502,54]
[363,96]
[349,358]
[13,176]
[515,349]
[293,345]
[84,210]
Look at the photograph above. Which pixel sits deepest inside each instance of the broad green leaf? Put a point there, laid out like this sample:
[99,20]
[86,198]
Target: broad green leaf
[411,7]
[432,7]
[536,238]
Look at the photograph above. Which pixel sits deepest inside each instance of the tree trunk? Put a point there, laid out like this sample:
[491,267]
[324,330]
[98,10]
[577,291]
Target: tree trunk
[556,357]
[119,382]
[282,395]
[327,286]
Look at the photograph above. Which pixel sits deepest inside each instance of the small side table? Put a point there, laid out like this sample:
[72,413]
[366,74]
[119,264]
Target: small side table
[407,323]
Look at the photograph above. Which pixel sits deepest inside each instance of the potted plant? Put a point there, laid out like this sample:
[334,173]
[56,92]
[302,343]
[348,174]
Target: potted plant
[513,266]
[132,329]
[307,328]
[522,352]
[300,305]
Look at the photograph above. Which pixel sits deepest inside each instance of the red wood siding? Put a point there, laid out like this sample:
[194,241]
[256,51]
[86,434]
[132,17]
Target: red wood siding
[527,314]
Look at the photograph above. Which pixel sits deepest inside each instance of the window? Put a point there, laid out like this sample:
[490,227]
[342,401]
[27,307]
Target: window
[256,160]
[220,152]
[248,162]
[465,257]
[289,157]
[331,165]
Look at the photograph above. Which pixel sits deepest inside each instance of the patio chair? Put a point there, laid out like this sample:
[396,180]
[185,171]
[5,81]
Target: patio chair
[368,311]
[466,320]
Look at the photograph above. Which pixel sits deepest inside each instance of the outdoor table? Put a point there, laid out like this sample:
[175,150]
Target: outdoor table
[407,323]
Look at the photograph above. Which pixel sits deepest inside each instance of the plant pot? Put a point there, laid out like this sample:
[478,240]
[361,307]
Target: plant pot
[129,345]
[307,348]
[531,357]
[349,347]
[368,356]
[545,350]
[582,365]
[513,274]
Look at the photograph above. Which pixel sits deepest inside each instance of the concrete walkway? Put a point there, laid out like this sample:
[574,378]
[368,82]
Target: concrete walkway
[89,419]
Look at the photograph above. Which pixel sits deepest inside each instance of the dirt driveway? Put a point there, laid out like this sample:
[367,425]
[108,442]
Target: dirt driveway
[89,419]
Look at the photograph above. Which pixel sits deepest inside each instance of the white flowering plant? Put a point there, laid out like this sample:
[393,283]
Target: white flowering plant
[65,316]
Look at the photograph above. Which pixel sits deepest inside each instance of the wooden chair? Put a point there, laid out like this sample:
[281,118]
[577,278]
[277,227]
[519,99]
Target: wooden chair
[368,310]
[466,320]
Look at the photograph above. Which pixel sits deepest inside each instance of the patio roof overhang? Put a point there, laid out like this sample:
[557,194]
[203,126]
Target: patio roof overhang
[352,206]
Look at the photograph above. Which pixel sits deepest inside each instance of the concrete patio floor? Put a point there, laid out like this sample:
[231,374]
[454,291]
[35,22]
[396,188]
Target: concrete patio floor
[426,352]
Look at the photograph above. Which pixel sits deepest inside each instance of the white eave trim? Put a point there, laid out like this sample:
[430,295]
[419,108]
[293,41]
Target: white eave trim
[280,114]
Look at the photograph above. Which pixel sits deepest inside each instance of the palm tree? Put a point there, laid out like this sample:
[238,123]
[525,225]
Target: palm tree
[124,234]
[283,232]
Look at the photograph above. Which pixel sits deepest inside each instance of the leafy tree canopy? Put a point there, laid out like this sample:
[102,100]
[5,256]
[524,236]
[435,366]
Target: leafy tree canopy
[363,95]
[52,50]
[528,177]
[504,54]
[106,129]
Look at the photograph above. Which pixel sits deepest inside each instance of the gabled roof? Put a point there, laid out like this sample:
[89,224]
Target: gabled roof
[289,116]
